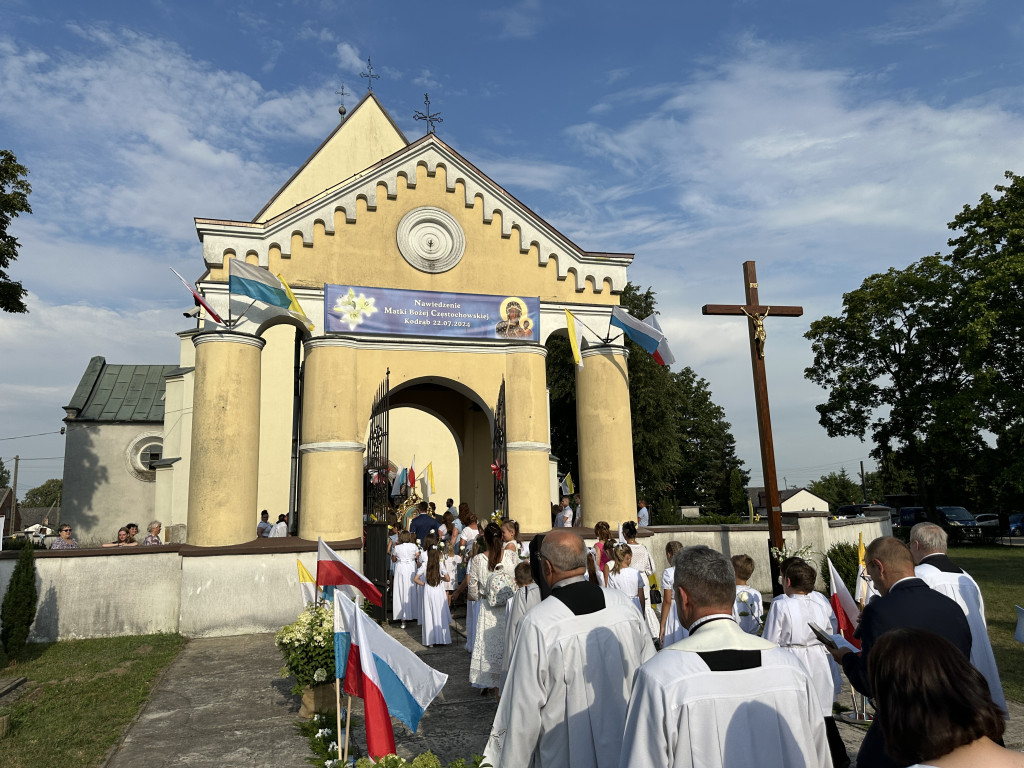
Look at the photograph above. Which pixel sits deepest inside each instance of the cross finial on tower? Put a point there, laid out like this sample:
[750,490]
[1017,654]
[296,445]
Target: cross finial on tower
[368,74]
[430,118]
[341,109]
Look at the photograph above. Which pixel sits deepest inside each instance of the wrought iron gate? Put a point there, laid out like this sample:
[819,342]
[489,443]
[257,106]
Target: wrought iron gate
[499,449]
[378,489]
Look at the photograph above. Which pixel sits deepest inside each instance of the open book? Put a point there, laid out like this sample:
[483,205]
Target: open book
[830,641]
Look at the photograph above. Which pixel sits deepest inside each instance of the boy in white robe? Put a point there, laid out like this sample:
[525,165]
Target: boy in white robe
[720,697]
[931,565]
[749,605]
[788,625]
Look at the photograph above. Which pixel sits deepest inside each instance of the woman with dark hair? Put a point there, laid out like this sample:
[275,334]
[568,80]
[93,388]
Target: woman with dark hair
[489,645]
[933,707]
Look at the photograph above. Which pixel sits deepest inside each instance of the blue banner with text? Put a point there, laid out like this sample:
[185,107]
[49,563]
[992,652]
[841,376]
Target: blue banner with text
[397,312]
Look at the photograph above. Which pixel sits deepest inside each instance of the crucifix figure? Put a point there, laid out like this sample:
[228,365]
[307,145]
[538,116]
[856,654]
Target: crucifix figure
[430,118]
[756,315]
[368,74]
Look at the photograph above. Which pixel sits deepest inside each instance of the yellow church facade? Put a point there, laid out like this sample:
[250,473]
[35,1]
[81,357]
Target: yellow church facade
[268,414]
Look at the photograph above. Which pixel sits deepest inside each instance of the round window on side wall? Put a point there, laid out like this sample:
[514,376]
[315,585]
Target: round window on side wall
[141,453]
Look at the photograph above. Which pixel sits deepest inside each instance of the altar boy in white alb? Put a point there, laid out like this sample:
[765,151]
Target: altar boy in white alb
[720,697]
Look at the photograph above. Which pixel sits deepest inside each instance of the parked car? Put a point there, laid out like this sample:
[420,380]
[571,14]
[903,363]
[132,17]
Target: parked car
[957,522]
[1017,524]
[863,510]
[989,524]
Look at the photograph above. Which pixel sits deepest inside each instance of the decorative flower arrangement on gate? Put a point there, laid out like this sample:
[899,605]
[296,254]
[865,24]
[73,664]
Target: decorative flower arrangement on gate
[307,645]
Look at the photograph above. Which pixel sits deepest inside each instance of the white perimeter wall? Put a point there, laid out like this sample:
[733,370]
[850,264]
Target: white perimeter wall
[144,591]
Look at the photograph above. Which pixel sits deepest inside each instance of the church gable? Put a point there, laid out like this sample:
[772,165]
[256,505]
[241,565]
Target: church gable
[353,234]
[358,142]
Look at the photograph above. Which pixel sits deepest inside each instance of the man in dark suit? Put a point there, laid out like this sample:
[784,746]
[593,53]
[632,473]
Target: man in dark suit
[906,601]
[423,523]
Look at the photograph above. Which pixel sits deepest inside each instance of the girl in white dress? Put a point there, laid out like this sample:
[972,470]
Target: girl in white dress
[451,564]
[644,564]
[403,554]
[671,630]
[477,569]
[435,616]
[625,578]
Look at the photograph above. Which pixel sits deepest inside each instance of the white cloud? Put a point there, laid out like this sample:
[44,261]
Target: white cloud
[426,79]
[349,59]
[520,21]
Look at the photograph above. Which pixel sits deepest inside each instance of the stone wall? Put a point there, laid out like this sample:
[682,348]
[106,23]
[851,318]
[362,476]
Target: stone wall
[254,587]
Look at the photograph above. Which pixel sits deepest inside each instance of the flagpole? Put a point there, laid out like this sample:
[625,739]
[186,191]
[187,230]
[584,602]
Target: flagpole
[348,722]
[337,704]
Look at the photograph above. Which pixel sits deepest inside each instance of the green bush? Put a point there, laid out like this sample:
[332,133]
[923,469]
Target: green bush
[19,606]
[715,520]
[307,645]
[844,558]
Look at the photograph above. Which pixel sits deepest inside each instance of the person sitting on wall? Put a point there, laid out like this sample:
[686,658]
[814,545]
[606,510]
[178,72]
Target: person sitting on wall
[133,532]
[153,534]
[64,541]
[263,526]
[123,539]
[279,529]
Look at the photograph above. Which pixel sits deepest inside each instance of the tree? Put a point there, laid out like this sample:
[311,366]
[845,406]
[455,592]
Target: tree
[14,192]
[44,495]
[18,610]
[837,489]
[924,360]
[5,475]
[683,451]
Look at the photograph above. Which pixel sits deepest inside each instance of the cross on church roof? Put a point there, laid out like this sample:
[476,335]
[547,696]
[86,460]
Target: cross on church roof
[430,118]
[341,109]
[370,77]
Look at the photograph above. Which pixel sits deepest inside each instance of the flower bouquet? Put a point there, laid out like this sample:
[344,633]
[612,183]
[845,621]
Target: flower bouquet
[307,645]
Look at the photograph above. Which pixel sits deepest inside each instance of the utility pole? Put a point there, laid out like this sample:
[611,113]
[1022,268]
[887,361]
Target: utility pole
[15,517]
[863,483]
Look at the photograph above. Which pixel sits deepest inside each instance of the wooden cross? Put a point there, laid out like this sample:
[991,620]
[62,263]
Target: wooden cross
[756,314]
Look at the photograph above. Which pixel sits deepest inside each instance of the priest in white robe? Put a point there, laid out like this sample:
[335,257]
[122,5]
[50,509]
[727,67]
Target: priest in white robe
[721,697]
[571,670]
[931,565]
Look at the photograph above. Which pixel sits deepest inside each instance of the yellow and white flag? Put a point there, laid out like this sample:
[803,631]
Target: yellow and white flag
[429,469]
[307,585]
[575,337]
[294,307]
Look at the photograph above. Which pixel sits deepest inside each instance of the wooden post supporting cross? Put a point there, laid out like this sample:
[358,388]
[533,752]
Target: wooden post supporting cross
[756,314]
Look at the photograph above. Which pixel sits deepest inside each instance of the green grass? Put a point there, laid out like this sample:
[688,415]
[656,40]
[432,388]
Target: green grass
[999,572]
[79,696]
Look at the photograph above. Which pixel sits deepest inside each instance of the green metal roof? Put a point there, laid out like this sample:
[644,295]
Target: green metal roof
[120,392]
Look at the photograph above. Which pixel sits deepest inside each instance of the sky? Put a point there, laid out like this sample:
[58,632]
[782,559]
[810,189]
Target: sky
[825,141]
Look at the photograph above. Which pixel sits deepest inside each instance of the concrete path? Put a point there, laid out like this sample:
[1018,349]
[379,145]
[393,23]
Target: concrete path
[222,703]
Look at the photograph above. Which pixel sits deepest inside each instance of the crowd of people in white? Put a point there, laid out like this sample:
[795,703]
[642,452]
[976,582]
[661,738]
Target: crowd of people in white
[587,673]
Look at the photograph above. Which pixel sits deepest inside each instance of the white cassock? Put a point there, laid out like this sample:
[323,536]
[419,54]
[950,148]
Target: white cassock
[787,627]
[525,598]
[963,590]
[685,715]
[567,687]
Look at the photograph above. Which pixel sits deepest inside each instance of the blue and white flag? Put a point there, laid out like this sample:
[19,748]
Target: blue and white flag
[257,283]
[643,334]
